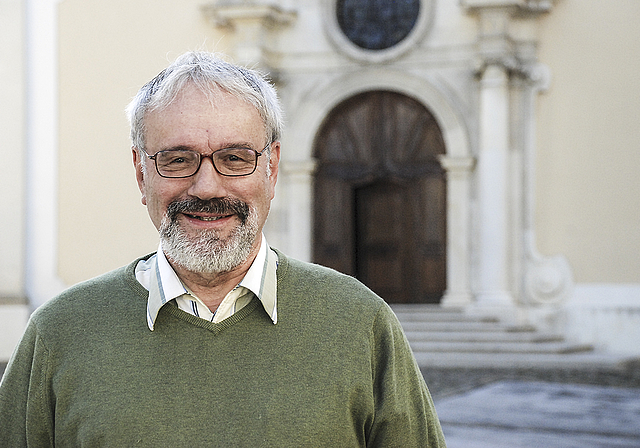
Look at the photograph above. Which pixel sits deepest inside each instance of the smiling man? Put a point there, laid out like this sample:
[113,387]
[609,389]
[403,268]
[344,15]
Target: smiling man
[209,194]
[216,339]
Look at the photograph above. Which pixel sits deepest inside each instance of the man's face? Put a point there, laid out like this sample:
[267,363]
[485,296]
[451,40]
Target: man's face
[207,214]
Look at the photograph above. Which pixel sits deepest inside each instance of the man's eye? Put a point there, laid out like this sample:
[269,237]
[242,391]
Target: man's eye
[233,158]
[176,161]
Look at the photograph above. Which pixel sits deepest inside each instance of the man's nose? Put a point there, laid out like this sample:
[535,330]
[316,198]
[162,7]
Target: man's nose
[207,182]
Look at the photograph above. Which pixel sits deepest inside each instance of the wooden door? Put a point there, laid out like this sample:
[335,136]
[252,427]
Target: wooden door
[380,197]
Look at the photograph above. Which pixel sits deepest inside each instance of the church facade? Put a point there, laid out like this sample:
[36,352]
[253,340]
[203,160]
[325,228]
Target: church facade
[474,154]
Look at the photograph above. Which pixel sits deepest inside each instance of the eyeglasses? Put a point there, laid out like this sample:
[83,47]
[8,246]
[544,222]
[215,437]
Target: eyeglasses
[180,163]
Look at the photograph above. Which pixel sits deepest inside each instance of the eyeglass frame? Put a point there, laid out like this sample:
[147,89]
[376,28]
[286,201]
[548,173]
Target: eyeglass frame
[201,157]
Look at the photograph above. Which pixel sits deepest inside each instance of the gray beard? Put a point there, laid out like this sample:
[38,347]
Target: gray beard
[207,252]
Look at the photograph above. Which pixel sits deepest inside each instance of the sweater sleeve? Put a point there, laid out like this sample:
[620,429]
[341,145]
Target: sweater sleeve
[404,412]
[25,411]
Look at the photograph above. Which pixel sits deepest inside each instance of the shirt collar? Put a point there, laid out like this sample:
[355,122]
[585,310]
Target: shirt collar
[163,284]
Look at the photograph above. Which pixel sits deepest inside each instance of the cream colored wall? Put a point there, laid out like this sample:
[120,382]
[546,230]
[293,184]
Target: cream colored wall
[588,168]
[108,49]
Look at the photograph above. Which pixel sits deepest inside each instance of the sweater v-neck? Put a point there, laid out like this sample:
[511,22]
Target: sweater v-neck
[172,309]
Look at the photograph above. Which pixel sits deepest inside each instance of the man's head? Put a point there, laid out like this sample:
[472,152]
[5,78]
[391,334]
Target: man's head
[210,74]
[205,146]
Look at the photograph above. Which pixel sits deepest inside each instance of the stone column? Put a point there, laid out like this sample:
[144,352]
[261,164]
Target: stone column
[299,208]
[494,290]
[458,294]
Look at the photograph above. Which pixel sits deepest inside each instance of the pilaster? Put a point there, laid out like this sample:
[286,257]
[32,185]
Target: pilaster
[41,272]
[506,271]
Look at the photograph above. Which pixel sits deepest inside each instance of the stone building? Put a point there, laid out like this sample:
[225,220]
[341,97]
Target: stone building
[477,154]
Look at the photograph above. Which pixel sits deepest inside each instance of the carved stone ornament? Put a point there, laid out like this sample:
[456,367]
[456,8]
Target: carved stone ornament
[548,280]
[227,13]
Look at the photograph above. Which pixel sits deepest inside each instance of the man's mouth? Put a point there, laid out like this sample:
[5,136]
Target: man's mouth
[208,211]
[205,218]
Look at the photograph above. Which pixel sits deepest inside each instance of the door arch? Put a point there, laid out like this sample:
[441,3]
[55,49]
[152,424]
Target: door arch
[380,196]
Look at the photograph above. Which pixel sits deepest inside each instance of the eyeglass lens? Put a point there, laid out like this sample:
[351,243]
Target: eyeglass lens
[185,163]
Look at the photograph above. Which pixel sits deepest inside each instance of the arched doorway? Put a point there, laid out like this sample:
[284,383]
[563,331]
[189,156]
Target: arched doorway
[380,196]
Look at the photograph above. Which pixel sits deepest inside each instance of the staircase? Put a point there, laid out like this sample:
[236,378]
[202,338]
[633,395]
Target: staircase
[447,338]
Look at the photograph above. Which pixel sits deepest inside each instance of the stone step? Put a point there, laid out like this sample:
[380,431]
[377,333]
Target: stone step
[588,361]
[446,338]
[484,336]
[442,316]
[499,347]
[461,326]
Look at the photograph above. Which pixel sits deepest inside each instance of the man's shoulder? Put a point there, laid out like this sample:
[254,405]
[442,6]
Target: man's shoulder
[311,272]
[322,282]
[86,297]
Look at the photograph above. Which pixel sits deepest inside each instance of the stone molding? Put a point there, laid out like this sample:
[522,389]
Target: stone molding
[457,165]
[299,167]
[520,6]
[13,300]
[13,321]
[308,117]
[228,14]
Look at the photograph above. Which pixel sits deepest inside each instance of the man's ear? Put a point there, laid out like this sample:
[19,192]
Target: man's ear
[140,171]
[274,163]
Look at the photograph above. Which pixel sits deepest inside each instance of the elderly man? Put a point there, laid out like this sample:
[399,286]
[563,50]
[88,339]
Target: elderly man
[217,339]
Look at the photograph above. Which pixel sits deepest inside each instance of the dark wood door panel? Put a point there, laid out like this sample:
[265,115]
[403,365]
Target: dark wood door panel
[380,196]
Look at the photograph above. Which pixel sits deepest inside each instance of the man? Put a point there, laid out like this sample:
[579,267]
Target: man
[216,339]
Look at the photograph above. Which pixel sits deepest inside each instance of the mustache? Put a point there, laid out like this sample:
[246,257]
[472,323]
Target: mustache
[222,206]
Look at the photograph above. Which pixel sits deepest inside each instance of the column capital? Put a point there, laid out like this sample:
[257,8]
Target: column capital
[497,45]
[228,14]
[251,25]
[299,167]
[457,164]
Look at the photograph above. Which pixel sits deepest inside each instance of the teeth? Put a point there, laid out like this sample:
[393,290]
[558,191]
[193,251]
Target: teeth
[206,218]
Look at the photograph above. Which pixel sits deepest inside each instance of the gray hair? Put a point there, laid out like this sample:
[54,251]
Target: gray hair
[209,73]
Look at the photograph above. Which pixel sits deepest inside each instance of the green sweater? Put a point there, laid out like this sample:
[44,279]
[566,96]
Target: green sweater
[336,371]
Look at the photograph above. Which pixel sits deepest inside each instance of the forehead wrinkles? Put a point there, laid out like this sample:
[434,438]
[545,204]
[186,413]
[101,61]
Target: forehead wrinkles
[191,104]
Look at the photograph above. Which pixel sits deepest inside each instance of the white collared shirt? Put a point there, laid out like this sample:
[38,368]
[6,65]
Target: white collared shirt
[158,277]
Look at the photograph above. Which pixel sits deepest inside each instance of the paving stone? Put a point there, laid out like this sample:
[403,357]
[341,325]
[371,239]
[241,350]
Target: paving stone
[517,414]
